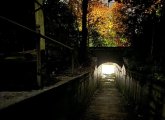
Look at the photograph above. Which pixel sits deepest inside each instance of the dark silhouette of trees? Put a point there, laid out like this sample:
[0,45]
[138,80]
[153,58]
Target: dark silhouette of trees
[145,24]
[60,24]
[13,38]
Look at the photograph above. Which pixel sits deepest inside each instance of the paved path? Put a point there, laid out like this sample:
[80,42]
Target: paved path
[106,104]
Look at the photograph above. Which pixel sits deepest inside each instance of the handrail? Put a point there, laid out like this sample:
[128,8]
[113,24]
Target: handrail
[33,31]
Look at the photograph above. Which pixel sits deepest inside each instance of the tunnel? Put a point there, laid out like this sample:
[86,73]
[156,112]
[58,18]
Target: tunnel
[110,69]
[107,103]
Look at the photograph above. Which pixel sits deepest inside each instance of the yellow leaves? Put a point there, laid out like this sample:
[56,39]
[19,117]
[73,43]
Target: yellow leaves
[106,21]
[99,18]
[118,17]
[80,27]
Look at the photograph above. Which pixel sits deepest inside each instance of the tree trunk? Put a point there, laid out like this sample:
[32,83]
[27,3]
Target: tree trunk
[83,44]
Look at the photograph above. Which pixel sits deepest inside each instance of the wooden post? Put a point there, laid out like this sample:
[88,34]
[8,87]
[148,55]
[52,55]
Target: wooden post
[39,19]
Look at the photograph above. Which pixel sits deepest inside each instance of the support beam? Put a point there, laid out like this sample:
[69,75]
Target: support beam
[40,44]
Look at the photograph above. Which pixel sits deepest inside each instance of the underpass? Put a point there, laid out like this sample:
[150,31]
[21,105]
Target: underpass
[90,95]
[107,103]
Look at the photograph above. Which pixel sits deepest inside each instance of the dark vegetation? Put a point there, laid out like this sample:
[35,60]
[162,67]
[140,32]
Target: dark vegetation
[145,31]
[145,26]
[18,46]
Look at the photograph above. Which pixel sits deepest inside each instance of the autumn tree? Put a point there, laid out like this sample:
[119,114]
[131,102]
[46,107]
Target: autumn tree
[104,24]
[108,23]
[118,18]
[80,9]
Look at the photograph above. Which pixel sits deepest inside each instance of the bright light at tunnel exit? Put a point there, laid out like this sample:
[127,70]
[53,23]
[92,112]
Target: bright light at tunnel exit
[108,69]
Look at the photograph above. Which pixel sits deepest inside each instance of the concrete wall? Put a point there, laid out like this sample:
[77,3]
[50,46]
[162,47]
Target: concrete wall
[105,54]
[63,102]
[144,94]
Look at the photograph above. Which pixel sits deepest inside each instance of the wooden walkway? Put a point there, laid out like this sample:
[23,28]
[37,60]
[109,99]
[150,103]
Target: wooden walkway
[106,104]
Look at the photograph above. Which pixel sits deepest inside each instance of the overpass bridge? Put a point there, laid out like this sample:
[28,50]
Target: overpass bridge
[108,54]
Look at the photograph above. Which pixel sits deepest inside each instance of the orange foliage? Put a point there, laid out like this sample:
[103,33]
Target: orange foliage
[107,21]
[99,18]
[118,17]
[75,6]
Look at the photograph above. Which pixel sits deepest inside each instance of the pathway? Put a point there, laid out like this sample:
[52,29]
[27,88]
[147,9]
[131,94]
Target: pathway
[106,104]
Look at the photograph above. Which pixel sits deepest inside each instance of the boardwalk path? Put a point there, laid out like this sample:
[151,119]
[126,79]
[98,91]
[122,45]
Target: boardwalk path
[106,104]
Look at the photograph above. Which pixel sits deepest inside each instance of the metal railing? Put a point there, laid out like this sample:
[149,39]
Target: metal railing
[44,37]
[35,32]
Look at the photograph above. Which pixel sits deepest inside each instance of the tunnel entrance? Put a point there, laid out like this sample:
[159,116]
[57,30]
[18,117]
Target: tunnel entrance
[109,70]
[107,102]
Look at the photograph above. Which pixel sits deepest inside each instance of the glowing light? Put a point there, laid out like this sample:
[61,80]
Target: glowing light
[108,69]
